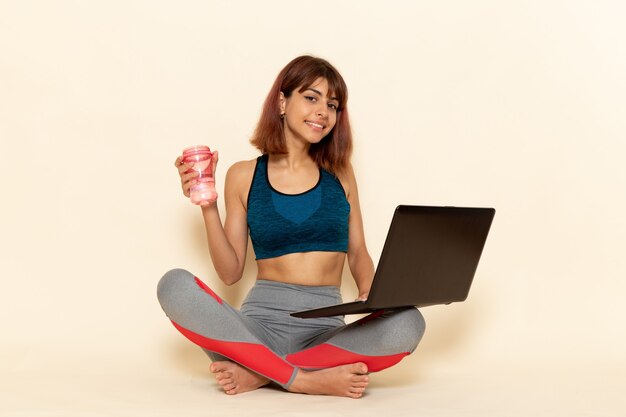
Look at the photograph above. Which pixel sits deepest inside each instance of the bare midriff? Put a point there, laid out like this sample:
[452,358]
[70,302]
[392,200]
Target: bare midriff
[306,268]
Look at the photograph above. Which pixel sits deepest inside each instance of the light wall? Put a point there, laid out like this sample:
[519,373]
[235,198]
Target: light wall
[514,105]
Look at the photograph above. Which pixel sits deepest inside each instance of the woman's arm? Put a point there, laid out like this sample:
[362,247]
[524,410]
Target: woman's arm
[228,243]
[359,259]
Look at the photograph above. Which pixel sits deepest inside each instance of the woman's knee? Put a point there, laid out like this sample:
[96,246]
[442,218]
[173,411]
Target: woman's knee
[172,285]
[411,325]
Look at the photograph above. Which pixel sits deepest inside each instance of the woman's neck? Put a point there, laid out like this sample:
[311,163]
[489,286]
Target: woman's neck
[297,155]
[291,161]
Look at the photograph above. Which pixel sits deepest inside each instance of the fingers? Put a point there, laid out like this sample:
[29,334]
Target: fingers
[187,177]
[186,182]
[183,166]
[215,157]
[186,173]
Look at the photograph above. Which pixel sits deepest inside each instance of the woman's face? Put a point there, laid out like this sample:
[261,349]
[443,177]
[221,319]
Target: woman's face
[311,114]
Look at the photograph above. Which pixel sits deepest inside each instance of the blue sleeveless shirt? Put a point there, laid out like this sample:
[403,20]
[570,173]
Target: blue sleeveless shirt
[315,220]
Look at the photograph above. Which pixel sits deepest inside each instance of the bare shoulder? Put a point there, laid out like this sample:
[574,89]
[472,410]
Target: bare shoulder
[242,170]
[347,179]
[239,178]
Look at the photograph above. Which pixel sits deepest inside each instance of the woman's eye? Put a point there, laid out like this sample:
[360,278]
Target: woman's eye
[310,98]
[332,106]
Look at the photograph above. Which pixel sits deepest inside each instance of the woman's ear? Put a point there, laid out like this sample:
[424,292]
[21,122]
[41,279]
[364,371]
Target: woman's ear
[282,103]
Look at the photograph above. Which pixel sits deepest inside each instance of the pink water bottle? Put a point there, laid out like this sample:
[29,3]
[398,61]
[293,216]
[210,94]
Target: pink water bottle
[202,192]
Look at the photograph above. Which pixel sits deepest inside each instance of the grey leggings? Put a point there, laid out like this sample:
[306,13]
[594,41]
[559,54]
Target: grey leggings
[266,339]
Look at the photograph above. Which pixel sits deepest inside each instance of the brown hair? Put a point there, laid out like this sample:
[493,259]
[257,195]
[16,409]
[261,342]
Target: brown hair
[333,151]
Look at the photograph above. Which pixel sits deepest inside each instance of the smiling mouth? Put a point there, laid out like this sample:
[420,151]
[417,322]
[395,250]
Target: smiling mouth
[315,125]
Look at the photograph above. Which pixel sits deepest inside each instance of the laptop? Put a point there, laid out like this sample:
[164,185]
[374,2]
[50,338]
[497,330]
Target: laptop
[430,257]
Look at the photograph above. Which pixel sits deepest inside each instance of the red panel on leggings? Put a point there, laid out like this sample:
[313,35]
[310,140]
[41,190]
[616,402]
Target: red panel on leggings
[207,290]
[254,356]
[328,356]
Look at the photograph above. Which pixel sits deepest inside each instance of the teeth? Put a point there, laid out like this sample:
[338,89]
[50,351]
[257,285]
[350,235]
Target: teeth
[315,125]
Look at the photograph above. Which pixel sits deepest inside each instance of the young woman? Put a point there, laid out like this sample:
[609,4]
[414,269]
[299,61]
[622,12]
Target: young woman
[299,201]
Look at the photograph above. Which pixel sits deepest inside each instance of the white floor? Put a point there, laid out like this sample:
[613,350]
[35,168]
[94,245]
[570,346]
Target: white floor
[120,389]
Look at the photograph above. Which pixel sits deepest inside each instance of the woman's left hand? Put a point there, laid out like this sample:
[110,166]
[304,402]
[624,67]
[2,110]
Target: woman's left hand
[362,297]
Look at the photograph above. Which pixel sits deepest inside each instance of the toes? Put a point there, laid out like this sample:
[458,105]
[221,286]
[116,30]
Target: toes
[226,382]
[218,366]
[356,392]
[230,389]
[358,368]
[360,378]
[361,368]
[223,375]
[355,395]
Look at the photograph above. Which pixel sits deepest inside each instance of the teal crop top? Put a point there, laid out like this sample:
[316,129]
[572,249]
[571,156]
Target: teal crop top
[315,220]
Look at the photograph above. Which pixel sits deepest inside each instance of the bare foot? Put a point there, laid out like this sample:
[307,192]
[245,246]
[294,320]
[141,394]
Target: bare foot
[343,381]
[236,379]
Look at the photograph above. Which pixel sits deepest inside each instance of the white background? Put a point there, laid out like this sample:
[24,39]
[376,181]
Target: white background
[516,105]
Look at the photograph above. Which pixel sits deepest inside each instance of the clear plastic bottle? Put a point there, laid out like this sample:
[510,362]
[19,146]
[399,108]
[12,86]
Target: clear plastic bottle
[202,192]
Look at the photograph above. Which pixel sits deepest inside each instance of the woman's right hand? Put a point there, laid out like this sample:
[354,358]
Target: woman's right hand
[187,174]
